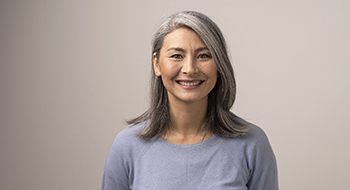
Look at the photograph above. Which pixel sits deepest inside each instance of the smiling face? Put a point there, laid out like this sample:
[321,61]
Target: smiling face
[185,66]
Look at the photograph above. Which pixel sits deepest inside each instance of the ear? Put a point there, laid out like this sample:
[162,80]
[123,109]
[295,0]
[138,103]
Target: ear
[155,62]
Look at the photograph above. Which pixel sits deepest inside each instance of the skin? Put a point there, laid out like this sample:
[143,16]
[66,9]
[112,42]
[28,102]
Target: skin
[185,60]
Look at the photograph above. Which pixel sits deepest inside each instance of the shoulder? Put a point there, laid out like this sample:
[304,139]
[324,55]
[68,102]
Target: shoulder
[254,135]
[130,135]
[130,132]
[257,148]
[254,142]
[128,141]
[257,139]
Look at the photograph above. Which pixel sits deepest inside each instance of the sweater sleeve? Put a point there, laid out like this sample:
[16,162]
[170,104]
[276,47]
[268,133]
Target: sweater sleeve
[116,171]
[263,167]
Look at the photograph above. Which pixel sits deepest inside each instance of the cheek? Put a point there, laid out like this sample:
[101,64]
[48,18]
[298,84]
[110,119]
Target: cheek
[211,71]
[170,70]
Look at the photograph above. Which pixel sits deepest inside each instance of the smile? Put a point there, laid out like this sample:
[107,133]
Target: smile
[191,83]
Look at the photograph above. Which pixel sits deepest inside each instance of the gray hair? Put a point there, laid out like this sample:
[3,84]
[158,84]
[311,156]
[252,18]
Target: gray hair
[220,120]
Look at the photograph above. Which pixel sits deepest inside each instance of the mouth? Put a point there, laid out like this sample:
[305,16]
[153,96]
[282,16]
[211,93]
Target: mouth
[189,83]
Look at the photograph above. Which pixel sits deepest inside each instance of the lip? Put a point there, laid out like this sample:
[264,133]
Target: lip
[189,83]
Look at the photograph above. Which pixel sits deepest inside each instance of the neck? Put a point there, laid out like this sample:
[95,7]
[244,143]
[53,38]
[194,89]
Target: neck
[187,118]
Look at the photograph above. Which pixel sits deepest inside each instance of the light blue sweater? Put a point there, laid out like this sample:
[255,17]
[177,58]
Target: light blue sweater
[243,163]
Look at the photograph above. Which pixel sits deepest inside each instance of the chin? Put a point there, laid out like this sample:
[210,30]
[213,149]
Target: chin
[191,99]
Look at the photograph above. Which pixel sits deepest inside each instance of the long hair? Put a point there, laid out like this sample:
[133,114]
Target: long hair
[219,119]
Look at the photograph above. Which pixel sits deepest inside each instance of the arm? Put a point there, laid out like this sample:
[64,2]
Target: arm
[115,176]
[263,167]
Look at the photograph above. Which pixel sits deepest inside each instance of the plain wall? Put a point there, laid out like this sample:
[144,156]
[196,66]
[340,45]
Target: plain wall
[72,71]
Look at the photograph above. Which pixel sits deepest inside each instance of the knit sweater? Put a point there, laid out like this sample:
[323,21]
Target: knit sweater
[242,163]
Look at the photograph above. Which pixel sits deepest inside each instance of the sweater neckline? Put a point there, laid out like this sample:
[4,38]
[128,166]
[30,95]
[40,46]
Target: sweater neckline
[207,142]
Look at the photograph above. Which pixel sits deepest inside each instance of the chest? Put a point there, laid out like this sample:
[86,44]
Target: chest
[190,169]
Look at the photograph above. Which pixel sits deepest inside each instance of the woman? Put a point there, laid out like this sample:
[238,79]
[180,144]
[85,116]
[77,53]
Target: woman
[188,139]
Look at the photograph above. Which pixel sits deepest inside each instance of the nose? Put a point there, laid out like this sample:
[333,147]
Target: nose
[189,66]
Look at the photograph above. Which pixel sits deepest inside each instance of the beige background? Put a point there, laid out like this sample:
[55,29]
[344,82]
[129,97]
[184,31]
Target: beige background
[73,71]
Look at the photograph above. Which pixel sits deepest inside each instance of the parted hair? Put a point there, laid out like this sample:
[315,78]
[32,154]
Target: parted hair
[219,119]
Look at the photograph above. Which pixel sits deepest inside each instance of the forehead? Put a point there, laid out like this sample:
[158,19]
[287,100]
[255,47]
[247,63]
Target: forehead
[183,37]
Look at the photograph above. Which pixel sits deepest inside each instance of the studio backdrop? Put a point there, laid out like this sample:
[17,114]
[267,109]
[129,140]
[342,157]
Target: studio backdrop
[72,72]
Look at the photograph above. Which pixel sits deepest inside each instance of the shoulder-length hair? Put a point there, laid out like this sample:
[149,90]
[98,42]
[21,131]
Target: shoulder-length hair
[219,119]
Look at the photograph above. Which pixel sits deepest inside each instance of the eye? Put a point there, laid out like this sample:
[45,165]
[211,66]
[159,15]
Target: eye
[176,57]
[204,56]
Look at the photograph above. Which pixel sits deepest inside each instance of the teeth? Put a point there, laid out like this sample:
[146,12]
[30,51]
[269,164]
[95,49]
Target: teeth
[192,83]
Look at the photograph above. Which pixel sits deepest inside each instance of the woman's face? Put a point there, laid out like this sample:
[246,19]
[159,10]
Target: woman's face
[186,67]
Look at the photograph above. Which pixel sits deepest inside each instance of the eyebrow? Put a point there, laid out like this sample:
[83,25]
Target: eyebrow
[183,50]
